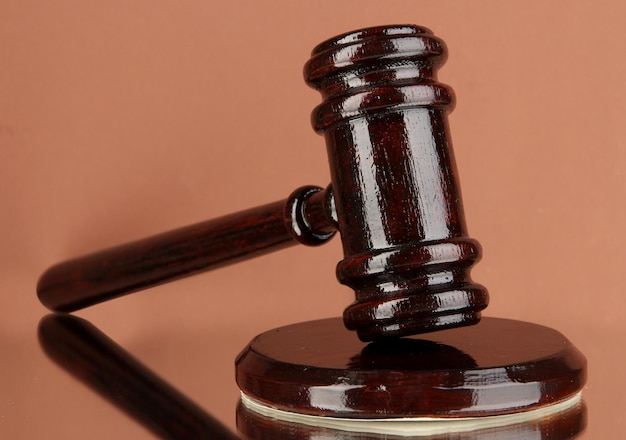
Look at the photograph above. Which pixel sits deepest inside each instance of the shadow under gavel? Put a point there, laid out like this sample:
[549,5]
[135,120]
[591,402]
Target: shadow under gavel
[394,198]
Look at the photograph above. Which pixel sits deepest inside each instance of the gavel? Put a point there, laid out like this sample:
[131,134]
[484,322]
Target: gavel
[394,198]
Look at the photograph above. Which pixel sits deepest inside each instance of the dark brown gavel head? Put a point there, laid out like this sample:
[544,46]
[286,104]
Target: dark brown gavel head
[397,199]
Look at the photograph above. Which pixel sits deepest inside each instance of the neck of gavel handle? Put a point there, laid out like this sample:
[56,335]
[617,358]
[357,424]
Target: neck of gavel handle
[304,217]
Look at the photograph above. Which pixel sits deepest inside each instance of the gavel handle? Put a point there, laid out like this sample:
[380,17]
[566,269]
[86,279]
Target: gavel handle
[305,217]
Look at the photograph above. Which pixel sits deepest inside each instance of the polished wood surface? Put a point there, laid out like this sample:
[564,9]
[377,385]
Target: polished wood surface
[498,366]
[400,215]
[304,217]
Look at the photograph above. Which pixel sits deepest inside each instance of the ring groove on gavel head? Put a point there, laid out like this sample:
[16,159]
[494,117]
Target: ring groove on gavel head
[407,254]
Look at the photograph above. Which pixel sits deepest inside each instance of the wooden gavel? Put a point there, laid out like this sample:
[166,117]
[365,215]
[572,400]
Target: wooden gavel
[394,198]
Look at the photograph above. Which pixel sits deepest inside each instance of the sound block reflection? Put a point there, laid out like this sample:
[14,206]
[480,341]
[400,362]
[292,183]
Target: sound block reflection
[496,367]
[567,423]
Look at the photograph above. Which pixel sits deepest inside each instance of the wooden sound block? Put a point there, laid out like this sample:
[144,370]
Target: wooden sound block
[496,367]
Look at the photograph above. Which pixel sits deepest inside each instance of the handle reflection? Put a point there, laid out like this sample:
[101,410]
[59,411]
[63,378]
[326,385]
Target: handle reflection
[96,360]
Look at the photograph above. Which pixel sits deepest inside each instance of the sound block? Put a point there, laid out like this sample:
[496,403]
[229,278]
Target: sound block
[493,368]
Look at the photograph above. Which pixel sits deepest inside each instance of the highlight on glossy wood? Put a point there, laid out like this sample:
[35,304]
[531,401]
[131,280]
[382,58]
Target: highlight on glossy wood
[496,367]
[397,197]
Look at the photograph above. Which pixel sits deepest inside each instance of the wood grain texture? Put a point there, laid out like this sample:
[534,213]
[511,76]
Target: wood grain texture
[397,197]
[104,275]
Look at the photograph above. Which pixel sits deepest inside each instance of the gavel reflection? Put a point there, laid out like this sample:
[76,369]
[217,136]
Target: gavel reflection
[100,363]
[394,198]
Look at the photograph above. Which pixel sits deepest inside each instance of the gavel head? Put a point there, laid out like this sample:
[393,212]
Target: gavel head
[397,199]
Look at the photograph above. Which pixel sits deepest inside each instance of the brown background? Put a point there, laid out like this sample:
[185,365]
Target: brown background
[119,119]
